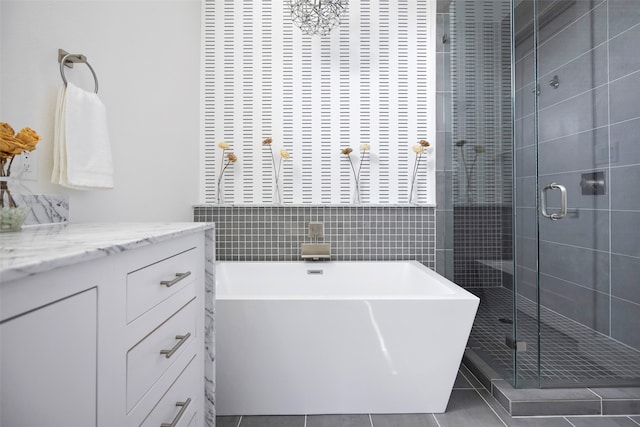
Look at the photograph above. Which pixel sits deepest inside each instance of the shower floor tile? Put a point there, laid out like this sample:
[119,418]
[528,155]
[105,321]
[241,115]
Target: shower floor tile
[572,354]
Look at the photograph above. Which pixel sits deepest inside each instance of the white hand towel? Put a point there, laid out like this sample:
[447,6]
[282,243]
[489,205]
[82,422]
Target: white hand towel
[82,151]
[58,136]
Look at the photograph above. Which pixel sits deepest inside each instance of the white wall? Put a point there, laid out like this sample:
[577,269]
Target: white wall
[147,58]
[1,58]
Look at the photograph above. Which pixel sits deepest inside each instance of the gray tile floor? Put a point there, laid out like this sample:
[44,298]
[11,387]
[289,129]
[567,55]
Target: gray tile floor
[470,405]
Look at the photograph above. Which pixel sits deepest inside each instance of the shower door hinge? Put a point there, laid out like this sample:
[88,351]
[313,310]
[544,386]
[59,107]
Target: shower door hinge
[519,346]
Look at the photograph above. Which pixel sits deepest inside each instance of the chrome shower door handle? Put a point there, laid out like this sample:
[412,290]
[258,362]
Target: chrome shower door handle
[563,202]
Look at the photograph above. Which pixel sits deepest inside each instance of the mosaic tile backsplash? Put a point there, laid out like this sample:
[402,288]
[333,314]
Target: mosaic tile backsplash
[356,233]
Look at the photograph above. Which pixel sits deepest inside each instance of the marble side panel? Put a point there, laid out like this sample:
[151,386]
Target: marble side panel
[209,327]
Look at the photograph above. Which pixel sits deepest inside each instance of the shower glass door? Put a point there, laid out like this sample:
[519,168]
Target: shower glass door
[577,199]
[526,343]
[475,50]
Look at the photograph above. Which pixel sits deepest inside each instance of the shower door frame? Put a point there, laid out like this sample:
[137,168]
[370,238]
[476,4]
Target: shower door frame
[519,344]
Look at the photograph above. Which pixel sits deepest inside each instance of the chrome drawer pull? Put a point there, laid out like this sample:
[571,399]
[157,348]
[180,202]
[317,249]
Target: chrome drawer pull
[176,420]
[179,276]
[182,338]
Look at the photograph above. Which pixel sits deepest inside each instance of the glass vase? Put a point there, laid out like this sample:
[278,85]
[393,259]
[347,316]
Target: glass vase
[13,203]
[277,194]
[356,194]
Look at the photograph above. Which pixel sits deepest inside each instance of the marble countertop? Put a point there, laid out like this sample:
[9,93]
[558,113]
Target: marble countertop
[42,248]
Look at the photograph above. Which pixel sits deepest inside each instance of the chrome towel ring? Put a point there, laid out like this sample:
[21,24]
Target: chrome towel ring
[67,59]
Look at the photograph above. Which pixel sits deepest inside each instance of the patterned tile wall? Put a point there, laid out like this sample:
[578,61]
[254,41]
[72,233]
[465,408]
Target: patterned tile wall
[356,233]
[368,81]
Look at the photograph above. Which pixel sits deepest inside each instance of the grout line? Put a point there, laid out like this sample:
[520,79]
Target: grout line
[436,420]
[569,245]
[559,67]
[625,121]
[547,107]
[634,421]
[491,407]
[305,420]
[610,332]
[239,421]
[624,166]
[370,420]
[575,171]
[624,77]
[600,397]
[555,139]
[567,419]
[569,282]
[470,382]
[574,23]
[565,245]
[621,33]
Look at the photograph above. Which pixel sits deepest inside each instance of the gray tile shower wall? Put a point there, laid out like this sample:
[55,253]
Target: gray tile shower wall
[356,233]
[479,137]
[481,234]
[444,165]
[590,260]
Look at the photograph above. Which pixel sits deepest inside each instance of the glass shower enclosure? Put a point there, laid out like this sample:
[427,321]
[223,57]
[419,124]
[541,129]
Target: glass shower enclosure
[545,160]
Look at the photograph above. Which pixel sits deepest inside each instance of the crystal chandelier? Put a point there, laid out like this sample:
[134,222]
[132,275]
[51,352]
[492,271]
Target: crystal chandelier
[317,16]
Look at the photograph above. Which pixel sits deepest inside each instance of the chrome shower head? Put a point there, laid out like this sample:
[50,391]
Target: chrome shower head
[460,143]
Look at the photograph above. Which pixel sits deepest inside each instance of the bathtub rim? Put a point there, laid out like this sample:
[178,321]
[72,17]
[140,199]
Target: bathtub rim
[456,292]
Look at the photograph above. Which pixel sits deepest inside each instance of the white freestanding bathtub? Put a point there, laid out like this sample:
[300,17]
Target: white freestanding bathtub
[337,337]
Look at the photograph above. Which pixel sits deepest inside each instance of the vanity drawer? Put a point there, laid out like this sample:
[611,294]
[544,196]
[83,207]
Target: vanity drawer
[151,357]
[154,283]
[171,408]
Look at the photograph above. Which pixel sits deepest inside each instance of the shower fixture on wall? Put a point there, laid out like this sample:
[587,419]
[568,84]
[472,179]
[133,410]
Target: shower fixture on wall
[317,16]
[468,168]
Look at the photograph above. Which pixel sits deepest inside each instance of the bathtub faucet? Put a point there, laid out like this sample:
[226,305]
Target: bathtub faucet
[316,251]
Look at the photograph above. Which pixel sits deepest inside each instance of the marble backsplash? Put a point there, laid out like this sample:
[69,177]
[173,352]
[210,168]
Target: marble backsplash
[45,208]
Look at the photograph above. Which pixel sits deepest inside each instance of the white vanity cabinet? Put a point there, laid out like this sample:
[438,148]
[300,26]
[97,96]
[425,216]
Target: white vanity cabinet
[163,334]
[117,340]
[48,364]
